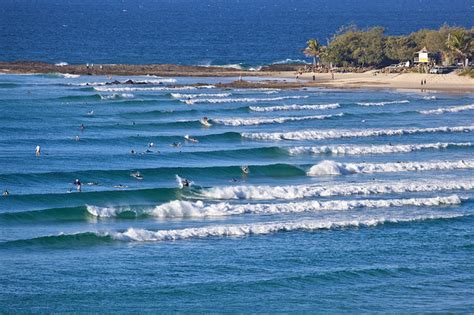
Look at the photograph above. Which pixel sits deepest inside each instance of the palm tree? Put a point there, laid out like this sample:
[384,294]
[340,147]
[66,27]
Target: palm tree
[313,49]
[460,42]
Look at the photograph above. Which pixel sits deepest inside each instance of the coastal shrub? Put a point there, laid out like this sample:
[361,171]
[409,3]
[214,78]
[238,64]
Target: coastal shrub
[354,47]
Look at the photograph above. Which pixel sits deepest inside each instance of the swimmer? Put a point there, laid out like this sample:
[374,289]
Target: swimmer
[137,175]
[234,180]
[133,152]
[78,184]
[5,193]
[189,138]
[120,186]
[38,150]
[245,169]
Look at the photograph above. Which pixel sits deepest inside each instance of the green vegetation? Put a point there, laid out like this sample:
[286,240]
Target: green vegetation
[468,72]
[313,49]
[354,47]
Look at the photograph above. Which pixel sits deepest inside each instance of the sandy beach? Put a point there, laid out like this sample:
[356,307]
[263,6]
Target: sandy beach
[442,82]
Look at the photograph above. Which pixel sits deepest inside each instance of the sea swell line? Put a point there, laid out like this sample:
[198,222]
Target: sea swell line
[335,168]
[347,133]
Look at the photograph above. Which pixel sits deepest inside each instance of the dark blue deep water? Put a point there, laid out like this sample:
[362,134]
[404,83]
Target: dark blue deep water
[219,32]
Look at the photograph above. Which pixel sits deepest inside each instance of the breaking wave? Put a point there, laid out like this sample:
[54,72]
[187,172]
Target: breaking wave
[260,121]
[338,133]
[293,107]
[452,109]
[242,100]
[116,96]
[199,209]
[266,192]
[241,230]
[188,96]
[373,149]
[334,168]
[383,103]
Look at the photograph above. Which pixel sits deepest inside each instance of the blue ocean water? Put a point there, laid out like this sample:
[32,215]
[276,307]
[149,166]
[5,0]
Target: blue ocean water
[354,201]
[217,32]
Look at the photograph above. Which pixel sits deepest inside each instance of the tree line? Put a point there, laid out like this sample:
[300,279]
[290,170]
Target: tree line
[355,47]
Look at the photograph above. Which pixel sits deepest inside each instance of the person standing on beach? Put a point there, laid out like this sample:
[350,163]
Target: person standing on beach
[38,150]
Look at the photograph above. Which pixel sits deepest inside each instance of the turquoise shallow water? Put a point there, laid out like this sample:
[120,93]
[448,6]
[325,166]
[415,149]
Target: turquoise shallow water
[355,201]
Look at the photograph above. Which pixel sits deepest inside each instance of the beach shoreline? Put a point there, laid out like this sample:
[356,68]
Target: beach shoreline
[271,77]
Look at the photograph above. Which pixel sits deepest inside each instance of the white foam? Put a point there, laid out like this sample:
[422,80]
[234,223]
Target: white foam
[452,109]
[188,96]
[242,100]
[293,107]
[116,96]
[348,133]
[334,168]
[137,82]
[383,103]
[373,149]
[288,192]
[241,230]
[70,76]
[105,212]
[259,121]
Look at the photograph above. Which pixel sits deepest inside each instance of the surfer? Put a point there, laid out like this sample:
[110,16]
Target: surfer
[120,186]
[38,150]
[90,113]
[176,144]
[137,175]
[151,144]
[78,184]
[189,138]
[245,169]
[205,122]
[77,138]
[5,193]
[82,127]
[183,182]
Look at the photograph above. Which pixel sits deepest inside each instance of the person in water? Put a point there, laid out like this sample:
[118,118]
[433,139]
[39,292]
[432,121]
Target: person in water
[185,182]
[78,184]
[5,193]
[245,169]
[82,127]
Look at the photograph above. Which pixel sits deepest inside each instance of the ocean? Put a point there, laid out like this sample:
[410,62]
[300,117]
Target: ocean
[309,200]
[354,200]
[238,33]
